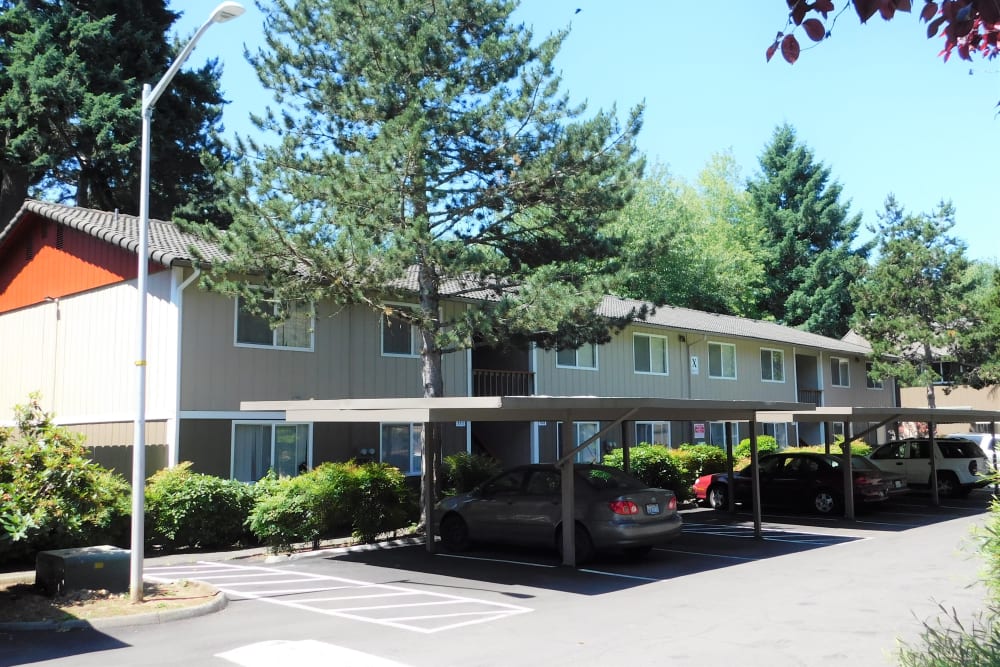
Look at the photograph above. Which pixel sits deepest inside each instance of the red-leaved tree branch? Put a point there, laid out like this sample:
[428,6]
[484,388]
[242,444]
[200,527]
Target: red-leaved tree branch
[967,26]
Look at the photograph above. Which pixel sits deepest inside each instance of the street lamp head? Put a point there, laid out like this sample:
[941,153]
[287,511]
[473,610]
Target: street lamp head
[226,11]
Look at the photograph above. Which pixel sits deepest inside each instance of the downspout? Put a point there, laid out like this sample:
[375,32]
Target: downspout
[173,424]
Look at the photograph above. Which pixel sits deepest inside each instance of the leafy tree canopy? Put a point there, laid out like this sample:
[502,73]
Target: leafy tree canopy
[967,26]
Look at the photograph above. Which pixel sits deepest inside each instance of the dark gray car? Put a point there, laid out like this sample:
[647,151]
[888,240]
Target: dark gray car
[614,511]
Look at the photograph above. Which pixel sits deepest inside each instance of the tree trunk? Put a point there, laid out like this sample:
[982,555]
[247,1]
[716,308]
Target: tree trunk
[433,380]
[13,192]
[929,359]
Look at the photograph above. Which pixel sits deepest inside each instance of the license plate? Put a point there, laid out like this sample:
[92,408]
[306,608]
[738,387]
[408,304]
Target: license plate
[897,483]
[652,508]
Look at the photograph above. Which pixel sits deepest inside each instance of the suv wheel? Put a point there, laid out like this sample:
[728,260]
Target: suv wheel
[948,485]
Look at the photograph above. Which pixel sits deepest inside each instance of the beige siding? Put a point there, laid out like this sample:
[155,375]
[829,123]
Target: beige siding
[858,394]
[80,353]
[346,360]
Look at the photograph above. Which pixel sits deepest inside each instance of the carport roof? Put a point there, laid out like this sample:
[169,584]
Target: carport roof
[880,414]
[521,408]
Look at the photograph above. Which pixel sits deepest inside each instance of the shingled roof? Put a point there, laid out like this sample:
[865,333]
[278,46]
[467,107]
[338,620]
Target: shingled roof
[170,246]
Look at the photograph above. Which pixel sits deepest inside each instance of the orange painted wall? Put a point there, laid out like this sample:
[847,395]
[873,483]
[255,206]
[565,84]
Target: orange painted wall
[36,263]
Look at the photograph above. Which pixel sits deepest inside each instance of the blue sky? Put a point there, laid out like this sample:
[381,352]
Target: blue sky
[874,102]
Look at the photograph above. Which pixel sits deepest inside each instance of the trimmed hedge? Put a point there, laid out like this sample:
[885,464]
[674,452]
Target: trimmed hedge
[766,444]
[188,509]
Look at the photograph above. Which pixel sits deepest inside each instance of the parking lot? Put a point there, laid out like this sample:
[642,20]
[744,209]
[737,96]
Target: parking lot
[812,591]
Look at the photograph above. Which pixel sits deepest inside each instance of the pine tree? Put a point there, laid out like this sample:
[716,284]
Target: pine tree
[71,75]
[810,260]
[428,141]
[911,305]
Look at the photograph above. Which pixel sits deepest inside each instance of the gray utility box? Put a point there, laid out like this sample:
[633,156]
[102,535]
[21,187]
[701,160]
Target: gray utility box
[90,568]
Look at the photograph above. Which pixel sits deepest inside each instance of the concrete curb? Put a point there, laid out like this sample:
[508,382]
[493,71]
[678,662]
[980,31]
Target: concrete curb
[218,602]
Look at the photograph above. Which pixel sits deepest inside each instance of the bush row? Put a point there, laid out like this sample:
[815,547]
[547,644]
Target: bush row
[674,469]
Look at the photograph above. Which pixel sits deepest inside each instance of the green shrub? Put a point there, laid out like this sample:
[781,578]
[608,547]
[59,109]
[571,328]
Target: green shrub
[332,500]
[380,501]
[188,509]
[708,459]
[464,472]
[766,444]
[51,495]
[654,465]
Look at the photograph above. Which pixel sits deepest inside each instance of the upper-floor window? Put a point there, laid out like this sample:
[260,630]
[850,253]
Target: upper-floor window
[650,353]
[840,372]
[584,356]
[870,382]
[772,365]
[295,330]
[399,337]
[722,361]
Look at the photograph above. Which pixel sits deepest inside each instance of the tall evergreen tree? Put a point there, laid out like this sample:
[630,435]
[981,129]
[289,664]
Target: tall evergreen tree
[71,76]
[428,138]
[811,259]
[911,305]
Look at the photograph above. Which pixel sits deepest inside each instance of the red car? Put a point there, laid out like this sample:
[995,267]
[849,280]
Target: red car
[804,479]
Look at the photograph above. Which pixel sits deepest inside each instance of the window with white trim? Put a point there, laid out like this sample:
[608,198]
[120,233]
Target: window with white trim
[777,431]
[584,356]
[650,354]
[870,382]
[772,365]
[399,445]
[722,361]
[654,433]
[294,332]
[582,431]
[261,446]
[840,372]
[717,433]
[399,337]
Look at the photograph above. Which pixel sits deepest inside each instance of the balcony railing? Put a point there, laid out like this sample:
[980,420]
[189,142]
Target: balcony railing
[502,383]
[814,396]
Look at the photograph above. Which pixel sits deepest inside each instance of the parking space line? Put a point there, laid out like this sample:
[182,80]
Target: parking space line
[616,574]
[498,560]
[700,553]
[258,587]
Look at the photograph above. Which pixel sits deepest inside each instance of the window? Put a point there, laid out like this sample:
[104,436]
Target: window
[400,447]
[294,332]
[777,431]
[655,433]
[772,365]
[722,361]
[869,382]
[399,337]
[840,372]
[583,431]
[584,356]
[717,433]
[261,446]
[650,354]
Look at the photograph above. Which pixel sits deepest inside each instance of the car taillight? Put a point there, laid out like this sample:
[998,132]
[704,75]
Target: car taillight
[672,505]
[860,479]
[623,507]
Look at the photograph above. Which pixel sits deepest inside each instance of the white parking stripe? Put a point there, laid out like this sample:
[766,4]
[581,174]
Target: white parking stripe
[255,585]
[306,652]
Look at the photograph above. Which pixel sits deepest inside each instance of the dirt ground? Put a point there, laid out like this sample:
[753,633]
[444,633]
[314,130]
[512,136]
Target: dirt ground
[22,601]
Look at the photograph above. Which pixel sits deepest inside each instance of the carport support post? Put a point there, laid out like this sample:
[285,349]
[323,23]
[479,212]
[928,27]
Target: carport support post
[568,518]
[727,439]
[993,448]
[848,474]
[754,480]
[626,447]
[427,461]
[935,498]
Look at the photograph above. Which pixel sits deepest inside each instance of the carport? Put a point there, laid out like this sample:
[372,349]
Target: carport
[567,409]
[877,417]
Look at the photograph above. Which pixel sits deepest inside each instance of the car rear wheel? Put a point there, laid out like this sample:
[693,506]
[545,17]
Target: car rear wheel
[454,533]
[948,485]
[583,545]
[825,502]
[718,497]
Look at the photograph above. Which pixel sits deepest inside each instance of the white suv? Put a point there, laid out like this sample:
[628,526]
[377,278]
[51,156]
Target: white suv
[960,463]
[986,441]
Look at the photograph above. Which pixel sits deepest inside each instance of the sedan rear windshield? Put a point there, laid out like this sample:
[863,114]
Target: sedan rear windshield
[608,478]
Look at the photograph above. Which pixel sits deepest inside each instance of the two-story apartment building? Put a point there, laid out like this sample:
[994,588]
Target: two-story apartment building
[68,312]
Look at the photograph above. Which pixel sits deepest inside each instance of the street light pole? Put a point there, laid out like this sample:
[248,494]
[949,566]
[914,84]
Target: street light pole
[222,13]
